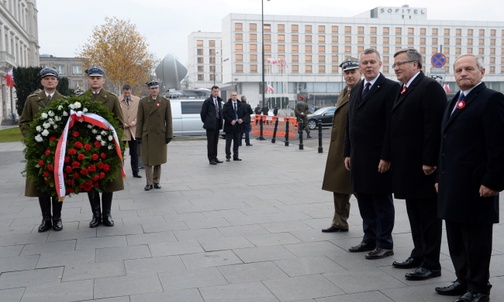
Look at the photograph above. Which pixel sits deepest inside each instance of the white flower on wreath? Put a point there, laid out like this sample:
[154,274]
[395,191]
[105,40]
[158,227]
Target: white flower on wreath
[38,128]
[51,113]
[85,110]
[38,138]
[94,131]
[43,115]
[110,137]
[45,132]
[46,125]
[65,113]
[104,132]
[103,143]
[110,147]
[98,138]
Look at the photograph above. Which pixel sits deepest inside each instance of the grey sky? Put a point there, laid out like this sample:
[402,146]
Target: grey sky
[65,25]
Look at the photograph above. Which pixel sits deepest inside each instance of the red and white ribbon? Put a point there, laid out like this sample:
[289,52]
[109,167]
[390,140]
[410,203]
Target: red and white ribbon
[59,157]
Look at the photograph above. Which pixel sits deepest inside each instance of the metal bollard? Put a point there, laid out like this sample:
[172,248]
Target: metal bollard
[320,149]
[287,133]
[301,128]
[273,140]
[261,137]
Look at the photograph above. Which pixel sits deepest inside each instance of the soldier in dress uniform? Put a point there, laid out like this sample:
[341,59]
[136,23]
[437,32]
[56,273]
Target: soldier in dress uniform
[154,131]
[336,176]
[301,111]
[34,103]
[96,92]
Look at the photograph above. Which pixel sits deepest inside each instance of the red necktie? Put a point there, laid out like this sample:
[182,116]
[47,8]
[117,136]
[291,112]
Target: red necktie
[404,88]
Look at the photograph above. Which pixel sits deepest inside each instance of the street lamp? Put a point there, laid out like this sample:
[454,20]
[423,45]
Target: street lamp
[214,56]
[261,137]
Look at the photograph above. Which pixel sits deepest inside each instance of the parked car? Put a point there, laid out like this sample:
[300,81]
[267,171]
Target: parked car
[186,118]
[325,114]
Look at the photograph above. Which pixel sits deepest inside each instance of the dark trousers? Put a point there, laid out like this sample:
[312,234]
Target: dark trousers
[470,248]
[378,214]
[233,136]
[133,152]
[341,210]
[426,231]
[212,143]
[245,130]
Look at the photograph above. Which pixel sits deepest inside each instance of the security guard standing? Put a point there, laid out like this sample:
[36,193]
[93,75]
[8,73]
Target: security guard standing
[34,103]
[301,111]
[96,92]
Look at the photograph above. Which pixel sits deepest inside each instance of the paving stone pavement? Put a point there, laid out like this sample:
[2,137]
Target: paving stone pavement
[238,231]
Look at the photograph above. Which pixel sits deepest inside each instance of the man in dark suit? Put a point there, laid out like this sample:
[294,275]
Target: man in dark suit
[233,113]
[367,155]
[415,136]
[471,174]
[211,116]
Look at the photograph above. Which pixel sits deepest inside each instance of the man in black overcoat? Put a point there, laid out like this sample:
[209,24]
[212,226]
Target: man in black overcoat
[233,113]
[415,137]
[367,155]
[470,176]
[211,116]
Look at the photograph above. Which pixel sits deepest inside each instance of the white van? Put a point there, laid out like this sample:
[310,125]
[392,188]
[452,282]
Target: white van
[186,118]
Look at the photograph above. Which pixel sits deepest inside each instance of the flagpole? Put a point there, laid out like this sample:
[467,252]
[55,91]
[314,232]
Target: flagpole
[261,137]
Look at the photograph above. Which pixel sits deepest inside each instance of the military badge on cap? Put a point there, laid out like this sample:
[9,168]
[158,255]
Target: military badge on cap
[153,84]
[94,72]
[48,72]
[350,63]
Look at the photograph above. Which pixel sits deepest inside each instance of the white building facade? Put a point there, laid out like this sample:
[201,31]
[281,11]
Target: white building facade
[19,46]
[302,53]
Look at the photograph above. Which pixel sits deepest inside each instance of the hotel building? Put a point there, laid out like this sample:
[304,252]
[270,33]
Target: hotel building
[303,53]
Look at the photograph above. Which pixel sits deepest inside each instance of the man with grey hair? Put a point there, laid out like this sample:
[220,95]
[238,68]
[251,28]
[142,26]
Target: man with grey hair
[367,155]
[471,174]
[415,136]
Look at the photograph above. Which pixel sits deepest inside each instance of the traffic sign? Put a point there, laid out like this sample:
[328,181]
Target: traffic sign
[438,60]
[434,70]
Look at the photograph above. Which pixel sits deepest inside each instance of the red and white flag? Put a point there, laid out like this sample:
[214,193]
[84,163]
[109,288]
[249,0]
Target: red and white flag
[447,88]
[9,78]
[270,88]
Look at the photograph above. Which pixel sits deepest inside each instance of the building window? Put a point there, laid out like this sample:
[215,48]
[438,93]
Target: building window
[238,47]
[267,27]
[267,37]
[373,30]
[308,39]
[308,28]
[360,30]
[458,32]
[493,33]
[386,41]
[295,58]
[481,42]
[321,69]
[199,52]
[411,41]
[281,28]
[199,43]
[295,48]
[348,39]
[238,57]
[211,43]
[360,39]
[239,37]
[385,69]
[348,29]
[492,51]
[458,41]
[201,68]
[294,28]
[446,41]
[308,49]
[334,39]
[481,51]
[281,48]
[492,42]
[253,47]
[295,38]
[458,51]
[308,69]
[281,38]
[334,49]
[211,52]
[469,50]
[295,68]
[434,41]
[201,77]
[434,50]
[334,29]
[422,41]
[360,49]
[398,31]
[434,32]
[239,68]
[253,27]
[385,30]
[334,59]
[253,68]
[238,26]
[321,59]
[321,39]
[492,69]
[348,49]
[200,60]
[253,58]
[267,48]
[253,37]
[492,60]
[481,32]
[469,41]
[373,40]
[423,31]
[212,60]
[321,49]
[76,69]
[308,58]
[386,50]
[411,31]
[446,31]
[469,32]
[212,68]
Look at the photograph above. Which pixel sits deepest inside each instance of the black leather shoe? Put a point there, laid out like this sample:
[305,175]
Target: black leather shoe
[470,296]
[136,175]
[361,247]
[308,136]
[96,221]
[213,162]
[57,224]
[422,274]
[218,161]
[147,187]
[46,225]
[408,263]
[157,186]
[454,289]
[237,159]
[249,145]
[107,220]
[228,159]
[379,253]
[334,229]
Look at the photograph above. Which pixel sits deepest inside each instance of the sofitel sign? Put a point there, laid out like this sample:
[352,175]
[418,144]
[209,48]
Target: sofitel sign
[402,10]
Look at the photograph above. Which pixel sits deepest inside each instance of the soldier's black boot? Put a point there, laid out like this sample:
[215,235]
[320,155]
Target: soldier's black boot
[56,218]
[107,204]
[94,200]
[45,207]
